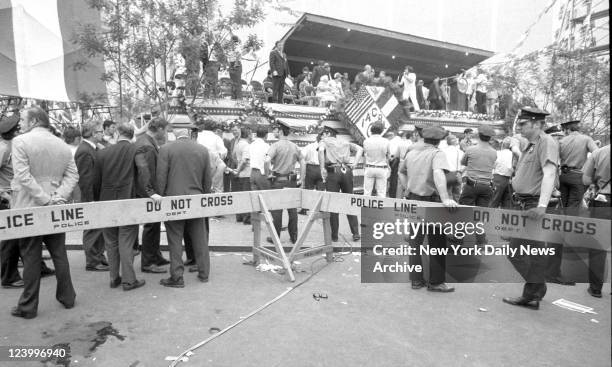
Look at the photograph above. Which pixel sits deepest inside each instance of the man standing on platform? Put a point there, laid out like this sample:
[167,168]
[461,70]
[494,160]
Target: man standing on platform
[280,70]
[376,152]
[426,169]
[282,156]
[116,174]
[337,173]
[183,168]
[533,185]
[44,174]
[85,158]
[147,148]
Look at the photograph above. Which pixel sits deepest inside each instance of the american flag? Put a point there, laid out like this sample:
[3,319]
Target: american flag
[359,104]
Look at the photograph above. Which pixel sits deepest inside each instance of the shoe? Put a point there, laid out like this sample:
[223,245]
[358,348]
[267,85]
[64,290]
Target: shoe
[189,262]
[335,239]
[115,283]
[593,292]
[356,237]
[238,220]
[68,305]
[303,212]
[269,240]
[153,269]
[104,262]
[136,284]
[203,280]
[293,240]
[15,311]
[418,284]
[15,284]
[193,269]
[560,280]
[442,287]
[163,262]
[524,302]
[99,267]
[247,222]
[47,272]
[169,282]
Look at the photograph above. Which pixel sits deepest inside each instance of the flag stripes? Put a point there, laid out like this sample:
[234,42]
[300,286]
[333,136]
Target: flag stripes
[359,104]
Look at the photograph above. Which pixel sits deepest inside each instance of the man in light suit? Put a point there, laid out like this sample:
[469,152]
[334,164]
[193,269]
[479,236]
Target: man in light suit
[116,174]
[183,168]
[85,159]
[280,71]
[44,174]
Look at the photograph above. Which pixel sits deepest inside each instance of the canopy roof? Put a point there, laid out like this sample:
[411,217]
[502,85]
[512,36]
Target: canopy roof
[349,46]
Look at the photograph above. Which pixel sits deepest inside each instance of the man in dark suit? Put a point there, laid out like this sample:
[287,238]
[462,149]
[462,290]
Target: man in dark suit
[183,168]
[116,174]
[280,70]
[146,187]
[85,159]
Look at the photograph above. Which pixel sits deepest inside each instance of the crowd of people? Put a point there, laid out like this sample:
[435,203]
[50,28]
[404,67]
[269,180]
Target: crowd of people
[110,161]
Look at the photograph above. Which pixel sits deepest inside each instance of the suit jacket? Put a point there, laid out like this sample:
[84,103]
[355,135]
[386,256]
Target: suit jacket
[146,166]
[278,62]
[183,168]
[42,165]
[116,171]
[85,159]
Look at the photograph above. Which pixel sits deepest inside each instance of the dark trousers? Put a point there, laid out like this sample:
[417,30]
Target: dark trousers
[313,179]
[481,102]
[502,196]
[531,267]
[194,229]
[242,184]
[211,79]
[93,245]
[436,104]
[120,251]
[437,263]
[341,182]
[31,253]
[227,182]
[9,257]
[151,254]
[235,73]
[393,178]
[572,189]
[476,194]
[597,258]
[277,215]
[259,181]
[278,86]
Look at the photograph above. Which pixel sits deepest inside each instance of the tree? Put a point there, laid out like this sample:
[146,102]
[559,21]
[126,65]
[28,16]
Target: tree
[143,41]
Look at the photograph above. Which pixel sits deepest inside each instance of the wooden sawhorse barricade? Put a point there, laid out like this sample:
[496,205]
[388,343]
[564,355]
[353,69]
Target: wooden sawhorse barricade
[296,252]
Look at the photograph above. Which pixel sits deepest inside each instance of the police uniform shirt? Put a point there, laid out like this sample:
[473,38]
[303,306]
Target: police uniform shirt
[597,167]
[6,168]
[376,149]
[419,166]
[336,151]
[574,149]
[529,174]
[480,162]
[284,154]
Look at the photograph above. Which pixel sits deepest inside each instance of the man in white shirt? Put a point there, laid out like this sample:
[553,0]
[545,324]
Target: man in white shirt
[242,173]
[376,151]
[454,155]
[310,170]
[256,156]
[501,176]
[216,151]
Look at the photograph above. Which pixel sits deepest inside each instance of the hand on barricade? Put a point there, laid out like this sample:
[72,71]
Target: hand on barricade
[57,200]
[450,204]
[536,213]
[156,198]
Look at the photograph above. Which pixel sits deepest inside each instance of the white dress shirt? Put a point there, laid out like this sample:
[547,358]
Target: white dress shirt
[213,143]
[503,164]
[311,154]
[256,153]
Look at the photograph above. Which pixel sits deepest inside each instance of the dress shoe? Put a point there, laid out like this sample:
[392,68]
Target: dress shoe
[136,284]
[303,212]
[68,305]
[418,284]
[15,284]
[47,272]
[560,280]
[169,282]
[115,283]
[15,311]
[293,240]
[153,269]
[356,237]
[193,269]
[203,280]
[189,262]
[594,292]
[163,262]
[104,262]
[269,240]
[335,239]
[247,222]
[524,302]
[442,287]
[99,267]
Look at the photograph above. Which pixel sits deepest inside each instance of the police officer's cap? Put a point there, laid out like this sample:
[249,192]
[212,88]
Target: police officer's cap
[420,127]
[533,114]
[8,122]
[486,130]
[328,128]
[553,129]
[569,123]
[433,132]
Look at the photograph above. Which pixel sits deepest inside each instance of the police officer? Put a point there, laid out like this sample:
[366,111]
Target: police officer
[426,181]
[337,173]
[283,155]
[596,172]
[573,151]
[479,161]
[533,184]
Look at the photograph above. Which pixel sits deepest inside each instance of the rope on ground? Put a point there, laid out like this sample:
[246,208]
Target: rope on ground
[336,258]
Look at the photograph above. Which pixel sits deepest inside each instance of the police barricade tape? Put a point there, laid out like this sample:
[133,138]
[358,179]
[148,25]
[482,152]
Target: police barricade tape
[567,230]
[37,221]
